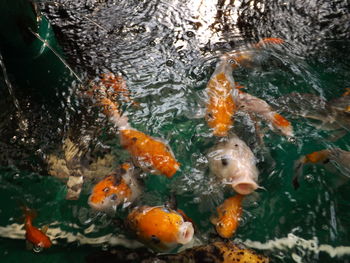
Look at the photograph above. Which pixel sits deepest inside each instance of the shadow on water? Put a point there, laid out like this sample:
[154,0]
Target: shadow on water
[167,50]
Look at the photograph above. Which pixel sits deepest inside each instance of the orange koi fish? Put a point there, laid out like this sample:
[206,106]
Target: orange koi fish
[159,227]
[118,188]
[228,215]
[150,154]
[331,158]
[34,236]
[220,107]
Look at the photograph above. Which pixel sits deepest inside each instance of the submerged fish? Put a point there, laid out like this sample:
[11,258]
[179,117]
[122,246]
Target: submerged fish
[121,187]
[234,163]
[331,158]
[35,236]
[217,252]
[252,104]
[329,115]
[150,154]
[228,216]
[159,227]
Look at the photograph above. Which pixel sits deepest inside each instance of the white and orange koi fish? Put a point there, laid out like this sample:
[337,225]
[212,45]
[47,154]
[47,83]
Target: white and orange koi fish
[225,97]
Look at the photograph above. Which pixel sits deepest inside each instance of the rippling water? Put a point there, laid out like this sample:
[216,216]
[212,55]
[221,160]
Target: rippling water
[167,51]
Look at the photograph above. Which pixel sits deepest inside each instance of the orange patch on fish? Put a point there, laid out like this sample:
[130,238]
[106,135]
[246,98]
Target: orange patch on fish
[160,227]
[316,157]
[33,235]
[117,84]
[228,215]
[109,107]
[279,120]
[149,152]
[221,106]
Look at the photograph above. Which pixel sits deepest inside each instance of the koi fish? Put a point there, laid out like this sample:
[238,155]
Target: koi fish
[225,97]
[220,107]
[118,188]
[228,215]
[331,158]
[150,154]
[159,227]
[217,252]
[234,164]
[332,115]
[35,236]
[252,104]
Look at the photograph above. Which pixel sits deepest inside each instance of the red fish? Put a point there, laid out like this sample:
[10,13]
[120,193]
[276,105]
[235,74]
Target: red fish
[228,215]
[160,227]
[36,237]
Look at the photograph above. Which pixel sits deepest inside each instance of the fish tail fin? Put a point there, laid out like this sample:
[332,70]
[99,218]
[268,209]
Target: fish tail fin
[111,110]
[282,124]
[29,214]
[298,171]
[269,41]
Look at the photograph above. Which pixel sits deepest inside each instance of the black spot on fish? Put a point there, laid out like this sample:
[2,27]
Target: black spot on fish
[224,161]
[134,139]
[326,161]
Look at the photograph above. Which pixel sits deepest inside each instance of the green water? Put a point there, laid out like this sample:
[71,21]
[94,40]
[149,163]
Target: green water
[170,97]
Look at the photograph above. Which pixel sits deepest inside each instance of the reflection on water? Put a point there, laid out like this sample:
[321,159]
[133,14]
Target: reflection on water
[167,51]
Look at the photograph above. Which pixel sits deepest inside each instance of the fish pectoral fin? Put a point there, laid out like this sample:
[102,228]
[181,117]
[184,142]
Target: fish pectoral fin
[298,171]
[29,246]
[214,220]
[44,228]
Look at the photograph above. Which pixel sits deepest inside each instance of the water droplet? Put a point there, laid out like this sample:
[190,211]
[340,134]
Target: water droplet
[170,63]
[190,34]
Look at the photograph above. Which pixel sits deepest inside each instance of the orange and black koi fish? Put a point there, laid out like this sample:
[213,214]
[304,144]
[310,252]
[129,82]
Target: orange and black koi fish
[228,216]
[217,252]
[150,154]
[121,187]
[34,236]
[159,227]
[330,157]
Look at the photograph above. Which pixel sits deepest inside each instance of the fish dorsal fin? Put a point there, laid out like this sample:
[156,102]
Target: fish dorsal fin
[44,228]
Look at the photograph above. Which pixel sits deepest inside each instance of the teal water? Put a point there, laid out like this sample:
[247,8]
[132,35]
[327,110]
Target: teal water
[169,89]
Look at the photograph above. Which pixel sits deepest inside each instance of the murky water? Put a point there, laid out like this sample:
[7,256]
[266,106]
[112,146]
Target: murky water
[167,50]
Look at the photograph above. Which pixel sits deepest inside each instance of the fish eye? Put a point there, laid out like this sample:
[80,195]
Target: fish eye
[224,161]
[106,189]
[114,197]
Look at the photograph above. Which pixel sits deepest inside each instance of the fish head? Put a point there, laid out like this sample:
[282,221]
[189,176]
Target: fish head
[112,191]
[234,163]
